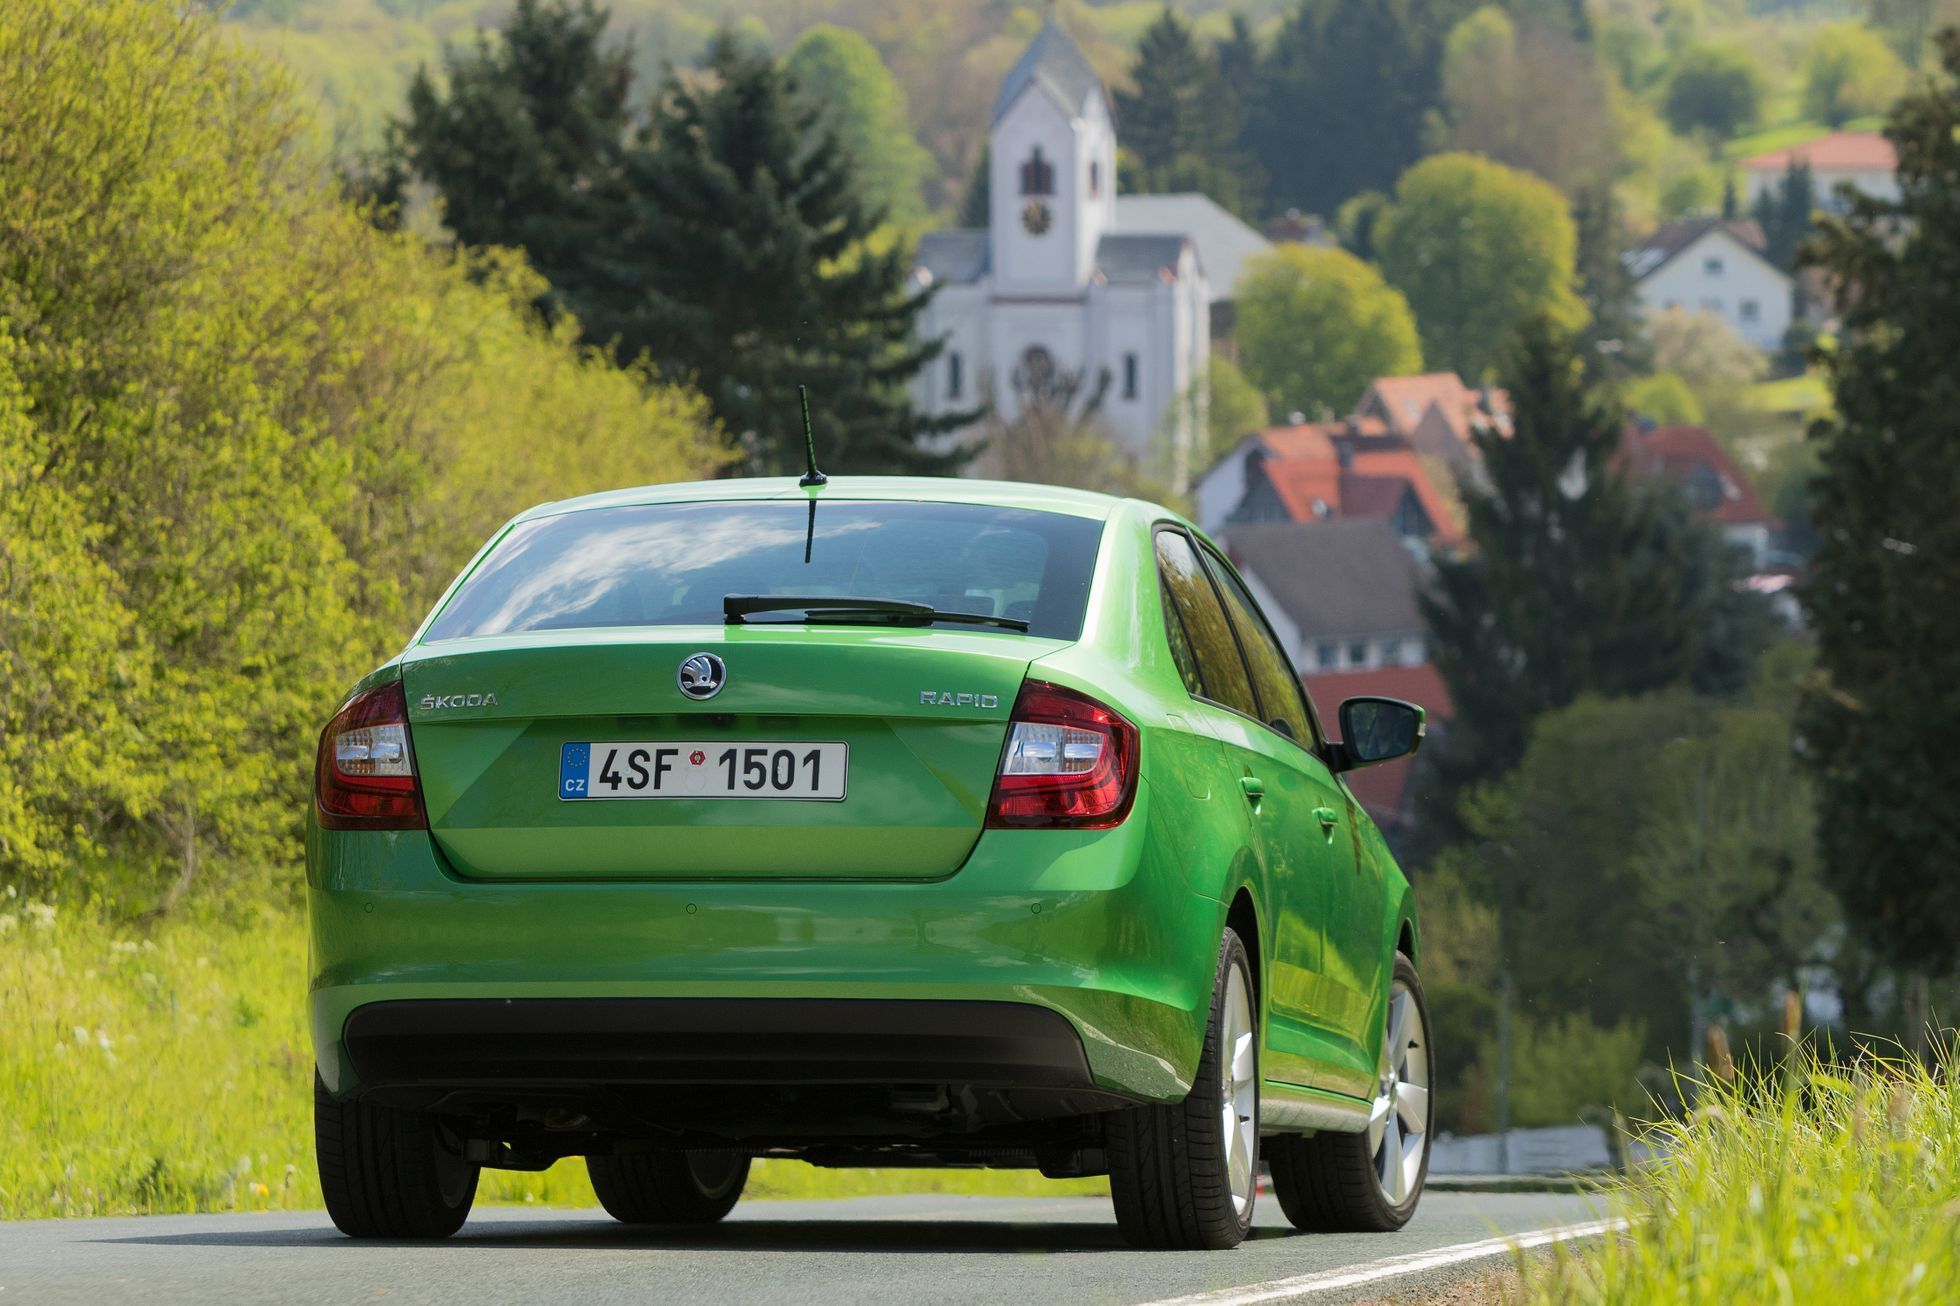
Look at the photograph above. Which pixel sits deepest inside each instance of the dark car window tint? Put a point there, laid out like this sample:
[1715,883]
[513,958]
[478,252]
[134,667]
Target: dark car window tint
[1279,690]
[1187,662]
[1210,633]
[669,564]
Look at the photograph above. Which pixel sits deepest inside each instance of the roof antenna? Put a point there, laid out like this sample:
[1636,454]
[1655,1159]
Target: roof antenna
[813,477]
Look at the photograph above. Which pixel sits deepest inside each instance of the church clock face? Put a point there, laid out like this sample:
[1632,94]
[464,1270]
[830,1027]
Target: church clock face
[1036,218]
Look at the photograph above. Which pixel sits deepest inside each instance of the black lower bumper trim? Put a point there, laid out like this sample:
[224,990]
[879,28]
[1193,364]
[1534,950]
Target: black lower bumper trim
[546,1042]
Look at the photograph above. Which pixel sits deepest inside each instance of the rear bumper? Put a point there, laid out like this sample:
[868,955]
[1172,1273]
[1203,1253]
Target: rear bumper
[1097,928]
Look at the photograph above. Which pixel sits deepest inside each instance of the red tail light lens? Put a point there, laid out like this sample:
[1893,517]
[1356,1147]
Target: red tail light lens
[364,777]
[1069,762]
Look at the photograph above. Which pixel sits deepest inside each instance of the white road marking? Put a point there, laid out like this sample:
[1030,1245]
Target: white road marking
[1391,1267]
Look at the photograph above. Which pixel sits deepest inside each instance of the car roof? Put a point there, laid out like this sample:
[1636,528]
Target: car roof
[929,489]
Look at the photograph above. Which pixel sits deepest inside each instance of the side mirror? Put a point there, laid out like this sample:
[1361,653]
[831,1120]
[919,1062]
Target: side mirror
[1377,730]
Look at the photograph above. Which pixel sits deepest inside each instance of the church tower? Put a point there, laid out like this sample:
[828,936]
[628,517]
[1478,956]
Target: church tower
[1053,179]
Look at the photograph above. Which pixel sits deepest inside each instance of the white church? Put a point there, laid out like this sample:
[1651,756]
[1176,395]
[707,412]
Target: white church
[1071,278]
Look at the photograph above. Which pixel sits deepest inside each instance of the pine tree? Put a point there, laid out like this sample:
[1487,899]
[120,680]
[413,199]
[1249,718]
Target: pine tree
[1884,589]
[524,143]
[1579,581]
[1614,345]
[1180,125]
[748,260]
[1785,213]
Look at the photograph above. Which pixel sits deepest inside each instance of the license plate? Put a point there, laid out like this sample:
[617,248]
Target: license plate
[667,768]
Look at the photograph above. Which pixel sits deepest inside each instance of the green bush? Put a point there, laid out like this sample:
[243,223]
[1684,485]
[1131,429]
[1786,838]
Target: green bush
[245,438]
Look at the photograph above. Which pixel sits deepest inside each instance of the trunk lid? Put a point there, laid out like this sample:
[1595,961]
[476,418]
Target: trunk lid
[923,714]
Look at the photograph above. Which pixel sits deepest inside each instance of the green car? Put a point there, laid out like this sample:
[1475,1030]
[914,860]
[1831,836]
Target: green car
[876,823]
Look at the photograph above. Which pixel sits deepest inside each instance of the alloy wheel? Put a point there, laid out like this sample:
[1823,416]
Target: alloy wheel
[1238,1080]
[1398,1123]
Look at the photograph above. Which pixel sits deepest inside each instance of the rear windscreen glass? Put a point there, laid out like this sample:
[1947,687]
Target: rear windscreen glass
[670,564]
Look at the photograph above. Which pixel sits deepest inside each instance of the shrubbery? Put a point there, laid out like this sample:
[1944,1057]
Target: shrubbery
[244,440]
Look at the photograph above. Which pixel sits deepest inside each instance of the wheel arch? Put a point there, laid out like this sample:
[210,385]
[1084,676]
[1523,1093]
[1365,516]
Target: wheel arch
[1242,917]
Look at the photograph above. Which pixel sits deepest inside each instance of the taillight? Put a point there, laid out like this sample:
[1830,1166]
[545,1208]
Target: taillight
[364,777]
[1069,761]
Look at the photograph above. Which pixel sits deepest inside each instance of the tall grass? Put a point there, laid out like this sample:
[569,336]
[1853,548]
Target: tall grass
[1816,1182]
[168,1070]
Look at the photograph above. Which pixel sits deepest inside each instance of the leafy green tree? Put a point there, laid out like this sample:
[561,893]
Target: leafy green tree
[748,260]
[1716,89]
[1478,248]
[1578,580]
[1786,213]
[522,140]
[1533,98]
[1236,410]
[1878,728]
[842,70]
[1179,123]
[1849,70]
[1316,326]
[1362,77]
[1355,222]
[1664,399]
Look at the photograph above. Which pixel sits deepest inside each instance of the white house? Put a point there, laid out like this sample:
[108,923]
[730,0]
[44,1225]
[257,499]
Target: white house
[1061,280]
[1863,159]
[1715,267]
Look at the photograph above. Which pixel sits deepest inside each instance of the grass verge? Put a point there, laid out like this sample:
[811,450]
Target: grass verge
[168,1070]
[1814,1183]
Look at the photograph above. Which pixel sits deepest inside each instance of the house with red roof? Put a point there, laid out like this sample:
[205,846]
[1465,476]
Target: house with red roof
[1318,471]
[1437,414]
[1865,160]
[1385,790]
[1693,459]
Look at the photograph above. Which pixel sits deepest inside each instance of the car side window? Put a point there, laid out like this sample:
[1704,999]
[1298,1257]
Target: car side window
[1279,689]
[1187,661]
[1207,630]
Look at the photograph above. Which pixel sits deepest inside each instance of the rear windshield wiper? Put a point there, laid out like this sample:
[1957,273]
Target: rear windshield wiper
[843,610]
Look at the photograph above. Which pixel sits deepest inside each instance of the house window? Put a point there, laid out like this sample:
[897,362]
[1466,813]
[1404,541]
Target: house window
[1712,305]
[1037,175]
[1391,652]
[1751,310]
[1328,654]
[1129,376]
[1358,653]
[1712,266]
[955,375]
[1095,178]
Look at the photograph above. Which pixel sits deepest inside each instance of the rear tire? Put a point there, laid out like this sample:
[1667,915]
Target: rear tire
[668,1187]
[1369,1182]
[388,1173]
[1185,1175]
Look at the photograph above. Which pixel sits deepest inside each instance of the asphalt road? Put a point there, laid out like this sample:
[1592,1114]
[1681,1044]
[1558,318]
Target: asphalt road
[881,1249]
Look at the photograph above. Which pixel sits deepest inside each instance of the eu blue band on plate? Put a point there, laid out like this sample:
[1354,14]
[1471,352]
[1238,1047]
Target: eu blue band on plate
[574,770]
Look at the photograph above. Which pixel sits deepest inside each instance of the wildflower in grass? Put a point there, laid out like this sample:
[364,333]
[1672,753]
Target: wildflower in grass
[41,914]
[8,922]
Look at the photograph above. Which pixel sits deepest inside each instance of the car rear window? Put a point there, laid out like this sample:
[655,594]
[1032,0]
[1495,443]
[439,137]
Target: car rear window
[670,564]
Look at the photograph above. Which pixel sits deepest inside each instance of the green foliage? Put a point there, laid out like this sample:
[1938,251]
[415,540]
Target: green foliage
[1806,1181]
[1535,99]
[1180,124]
[1363,77]
[1848,71]
[1785,212]
[1478,248]
[842,70]
[1716,89]
[1580,582]
[1236,410]
[1317,325]
[1612,340]
[1879,724]
[1663,398]
[249,438]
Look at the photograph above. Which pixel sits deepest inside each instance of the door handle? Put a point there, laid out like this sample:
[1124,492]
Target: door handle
[1254,787]
[1328,818]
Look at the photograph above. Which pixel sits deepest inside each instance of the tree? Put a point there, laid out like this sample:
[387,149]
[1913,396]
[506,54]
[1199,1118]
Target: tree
[1316,326]
[1533,99]
[1613,341]
[1362,77]
[1664,399]
[1715,89]
[1236,409]
[1785,212]
[1051,432]
[1878,725]
[1702,350]
[1578,581]
[976,203]
[1848,71]
[747,259]
[523,141]
[842,71]
[1179,124]
[1478,248]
